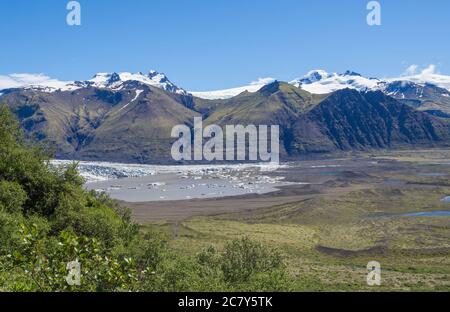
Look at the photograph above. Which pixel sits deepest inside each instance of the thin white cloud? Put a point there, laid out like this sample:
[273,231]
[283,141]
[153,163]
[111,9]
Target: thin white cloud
[411,70]
[429,74]
[430,70]
[26,79]
[262,81]
[8,82]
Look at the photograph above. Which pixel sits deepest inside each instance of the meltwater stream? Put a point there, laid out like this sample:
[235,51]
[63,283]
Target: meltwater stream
[428,214]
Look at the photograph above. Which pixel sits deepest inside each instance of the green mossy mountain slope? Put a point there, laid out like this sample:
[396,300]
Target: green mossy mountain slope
[134,124]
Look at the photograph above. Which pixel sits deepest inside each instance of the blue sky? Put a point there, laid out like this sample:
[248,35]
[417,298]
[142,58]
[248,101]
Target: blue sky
[214,44]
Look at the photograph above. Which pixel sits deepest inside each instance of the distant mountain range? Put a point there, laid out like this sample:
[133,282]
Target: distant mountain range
[111,81]
[128,117]
[322,82]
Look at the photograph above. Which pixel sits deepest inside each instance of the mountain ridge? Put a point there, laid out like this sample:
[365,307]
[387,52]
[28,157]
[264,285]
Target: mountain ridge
[316,81]
[131,121]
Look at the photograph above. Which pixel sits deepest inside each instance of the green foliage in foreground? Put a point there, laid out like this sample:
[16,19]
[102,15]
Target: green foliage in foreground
[47,220]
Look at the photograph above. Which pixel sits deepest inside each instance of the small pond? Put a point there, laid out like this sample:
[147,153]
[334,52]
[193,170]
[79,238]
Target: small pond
[428,214]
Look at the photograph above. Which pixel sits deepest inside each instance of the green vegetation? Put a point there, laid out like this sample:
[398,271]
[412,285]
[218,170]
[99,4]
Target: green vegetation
[323,243]
[277,103]
[48,220]
[327,242]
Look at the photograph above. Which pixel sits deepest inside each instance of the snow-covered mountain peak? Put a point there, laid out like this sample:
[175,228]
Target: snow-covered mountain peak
[319,81]
[119,80]
[113,81]
[439,80]
[316,81]
[322,82]
[351,73]
[314,76]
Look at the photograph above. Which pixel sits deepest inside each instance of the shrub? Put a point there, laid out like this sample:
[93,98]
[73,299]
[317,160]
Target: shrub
[246,265]
[47,219]
[242,258]
[12,197]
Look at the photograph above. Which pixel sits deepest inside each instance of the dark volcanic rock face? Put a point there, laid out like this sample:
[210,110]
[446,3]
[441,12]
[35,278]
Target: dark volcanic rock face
[425,97]
[349,120]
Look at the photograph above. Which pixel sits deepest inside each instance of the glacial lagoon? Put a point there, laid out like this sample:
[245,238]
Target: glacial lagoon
[143,183]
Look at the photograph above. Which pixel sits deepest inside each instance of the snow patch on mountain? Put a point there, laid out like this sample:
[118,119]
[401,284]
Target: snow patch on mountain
[138,92]
[229,93]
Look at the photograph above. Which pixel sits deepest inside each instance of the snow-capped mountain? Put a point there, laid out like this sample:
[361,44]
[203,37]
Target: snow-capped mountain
[312,77]
[316,82]
[403,89]
[113,81]
[321,82]
[426,77]
[119,81]
[116,117]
